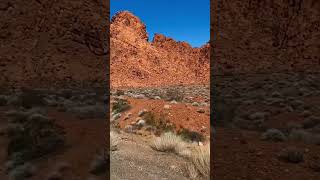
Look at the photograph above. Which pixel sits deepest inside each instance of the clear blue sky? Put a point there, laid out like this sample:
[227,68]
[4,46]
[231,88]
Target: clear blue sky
[182,20]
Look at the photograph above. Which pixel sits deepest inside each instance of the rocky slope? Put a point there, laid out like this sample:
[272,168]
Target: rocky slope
[53,43]
[256,36]
[136,62]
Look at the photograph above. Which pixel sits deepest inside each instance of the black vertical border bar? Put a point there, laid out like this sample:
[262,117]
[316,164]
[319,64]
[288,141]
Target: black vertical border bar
[105,33]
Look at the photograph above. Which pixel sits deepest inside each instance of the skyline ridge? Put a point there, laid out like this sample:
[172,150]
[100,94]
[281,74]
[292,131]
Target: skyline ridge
[151,36]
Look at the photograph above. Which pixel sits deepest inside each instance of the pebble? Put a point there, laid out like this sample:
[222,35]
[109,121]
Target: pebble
[166,106]
[201,110]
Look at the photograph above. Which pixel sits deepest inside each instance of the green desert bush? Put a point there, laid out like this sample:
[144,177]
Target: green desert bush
[34,136]
[189,135]
[120,105]
[160,122]
[174,94]
[304,136]
[119,92]
[273,135]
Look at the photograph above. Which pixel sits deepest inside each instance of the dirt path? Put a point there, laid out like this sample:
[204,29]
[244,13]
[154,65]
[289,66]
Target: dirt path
[134,159]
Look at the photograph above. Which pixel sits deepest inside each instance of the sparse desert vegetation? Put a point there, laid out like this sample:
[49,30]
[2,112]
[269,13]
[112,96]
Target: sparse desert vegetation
[35,129]
[159,126]
[273,124]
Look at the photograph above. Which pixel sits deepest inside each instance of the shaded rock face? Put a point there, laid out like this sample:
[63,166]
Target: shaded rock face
[136,62]
[266,36]
[52,43]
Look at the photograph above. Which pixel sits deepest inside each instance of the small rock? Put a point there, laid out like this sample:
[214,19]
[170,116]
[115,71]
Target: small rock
[201,110]
[142,112]
[139,96]
[157,97]
[166,106]
[173,102]
[195,104]
[141,123]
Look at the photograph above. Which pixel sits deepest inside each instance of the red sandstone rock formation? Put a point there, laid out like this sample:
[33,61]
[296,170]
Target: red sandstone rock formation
[54,43]
[266,36]
[135,62]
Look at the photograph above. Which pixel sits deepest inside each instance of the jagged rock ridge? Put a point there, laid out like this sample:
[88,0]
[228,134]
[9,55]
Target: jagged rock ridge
[136,62]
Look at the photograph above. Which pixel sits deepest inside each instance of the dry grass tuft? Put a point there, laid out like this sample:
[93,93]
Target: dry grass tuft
[200,158]
[169,142]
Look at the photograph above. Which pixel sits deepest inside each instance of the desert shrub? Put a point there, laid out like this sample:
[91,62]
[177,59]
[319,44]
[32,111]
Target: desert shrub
[311,122]
[89,111]
[120,105]
[273,135]
[34,136]
[223,113]
[304,136]
[174,94]
[119,92]
[292,155]
[292,126]
[168,142]
[200,158]
[161,123]
[189,135]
